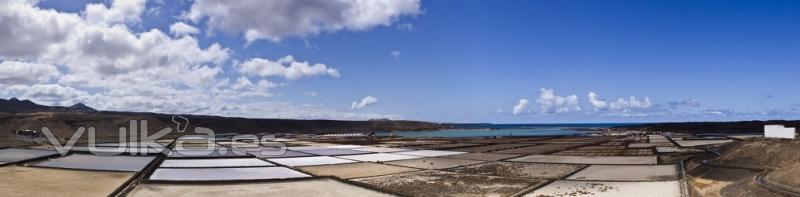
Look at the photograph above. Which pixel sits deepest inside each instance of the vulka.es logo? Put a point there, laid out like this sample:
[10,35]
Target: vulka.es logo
[135,140]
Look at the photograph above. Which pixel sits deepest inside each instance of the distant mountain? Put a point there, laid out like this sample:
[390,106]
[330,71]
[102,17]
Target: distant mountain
[15,105]
[81,107]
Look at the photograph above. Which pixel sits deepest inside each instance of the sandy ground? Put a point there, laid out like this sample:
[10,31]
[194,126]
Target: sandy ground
[28,181]
[707,187]
[588,159]
[322,187]
[609,189]
[627,173]
[518,169]
[355,170]
[440,183]
[434,163]
[482,156]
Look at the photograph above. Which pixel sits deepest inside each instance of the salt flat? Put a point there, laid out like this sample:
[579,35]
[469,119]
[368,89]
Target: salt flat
[18,154]
[378,157]
[224,174]
[381,149]
[301,188]
[588,159]
[691,143]
[430,153]
[310,161]
[94,162]
[231,162]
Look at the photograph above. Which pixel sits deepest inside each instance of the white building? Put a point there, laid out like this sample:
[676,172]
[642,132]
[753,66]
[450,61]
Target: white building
[779,131]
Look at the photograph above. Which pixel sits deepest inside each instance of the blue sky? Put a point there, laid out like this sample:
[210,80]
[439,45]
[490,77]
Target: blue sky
[451,61]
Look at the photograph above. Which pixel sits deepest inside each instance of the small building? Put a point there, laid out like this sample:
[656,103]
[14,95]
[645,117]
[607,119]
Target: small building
[779,131]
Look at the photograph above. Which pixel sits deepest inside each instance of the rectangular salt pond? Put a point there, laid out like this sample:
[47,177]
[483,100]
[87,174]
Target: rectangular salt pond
[8,155]
[346,146]
[333,152]
[691,143]
[118,150]
[609,189]
[430,153]
[285,154]
[199,163]
[627,173]
[310,161]
[381,149]
[588,159]
[224,174]
[304,148]
[219,153]
[94,162]
[378,157]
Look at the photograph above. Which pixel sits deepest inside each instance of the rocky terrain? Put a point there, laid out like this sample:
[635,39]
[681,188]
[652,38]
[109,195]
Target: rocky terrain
[710,127]
[63,121]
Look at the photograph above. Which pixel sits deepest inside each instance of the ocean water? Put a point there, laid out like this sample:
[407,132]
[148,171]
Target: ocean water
[491,130]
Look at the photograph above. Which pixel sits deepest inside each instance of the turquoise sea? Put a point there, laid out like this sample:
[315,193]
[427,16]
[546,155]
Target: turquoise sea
[490,130]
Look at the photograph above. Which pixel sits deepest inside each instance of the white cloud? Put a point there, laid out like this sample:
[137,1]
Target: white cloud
[552,103]
[521,106]
[395,54]
[631,103]
[277,19]
[182,29]
[596,102]
[55,57]
[310,93]
[121,11]
[364,102]
[625,105]
[13,72]
[285,67]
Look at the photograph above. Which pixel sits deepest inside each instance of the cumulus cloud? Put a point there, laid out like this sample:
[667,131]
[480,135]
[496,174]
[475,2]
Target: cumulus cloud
[520,107]
[182,29]
[285,67]
[552,103]
[62,58]
[13,72]
[632,103]
[596,102]
[121,11]
[277,19]
[310,93]
[364,102]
